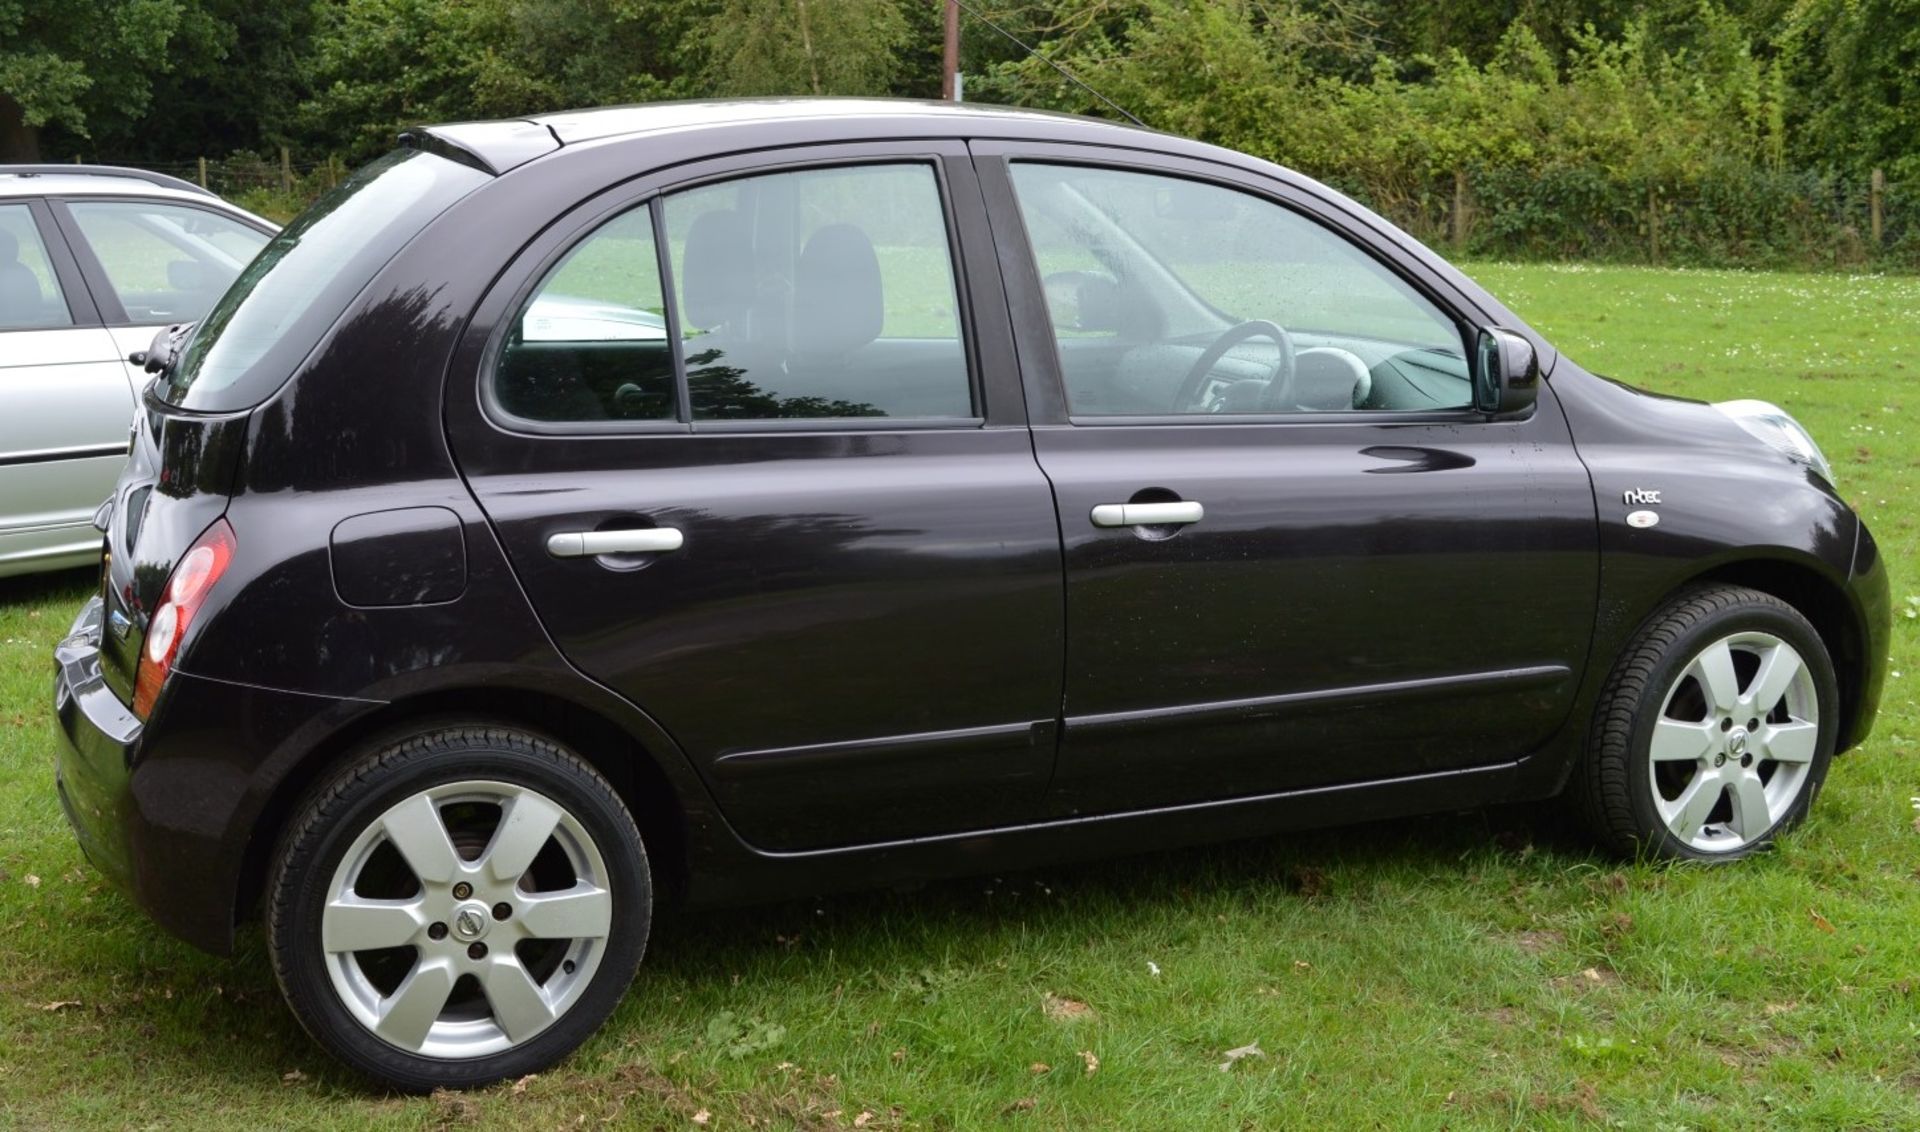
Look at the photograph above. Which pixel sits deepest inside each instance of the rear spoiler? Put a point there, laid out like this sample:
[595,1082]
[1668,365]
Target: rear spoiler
[146,175]
[491,147]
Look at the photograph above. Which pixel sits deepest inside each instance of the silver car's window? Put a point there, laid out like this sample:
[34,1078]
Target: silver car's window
[30,297]
[284,301]
[1171,296]
[818,293]
[166,263]
[591,343]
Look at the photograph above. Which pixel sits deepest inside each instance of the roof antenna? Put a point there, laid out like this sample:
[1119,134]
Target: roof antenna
[1064,73]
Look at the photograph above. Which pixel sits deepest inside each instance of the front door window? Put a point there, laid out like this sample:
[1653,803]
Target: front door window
[1171,296]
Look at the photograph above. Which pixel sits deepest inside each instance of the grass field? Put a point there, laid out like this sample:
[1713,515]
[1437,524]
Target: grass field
[1474,971]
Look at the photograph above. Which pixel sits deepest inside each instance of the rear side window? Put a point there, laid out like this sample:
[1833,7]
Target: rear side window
[30,297]
[286,299]
[166,263]
[591,345]
[818,293]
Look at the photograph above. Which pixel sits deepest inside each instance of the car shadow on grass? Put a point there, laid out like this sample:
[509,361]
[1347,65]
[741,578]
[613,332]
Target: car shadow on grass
[62,588]
[208,1019]
[909,928]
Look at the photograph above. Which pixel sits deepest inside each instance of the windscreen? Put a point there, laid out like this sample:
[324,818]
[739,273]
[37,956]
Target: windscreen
[296,288]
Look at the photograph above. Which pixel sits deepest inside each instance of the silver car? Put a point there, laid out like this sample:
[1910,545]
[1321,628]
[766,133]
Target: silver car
[92,261]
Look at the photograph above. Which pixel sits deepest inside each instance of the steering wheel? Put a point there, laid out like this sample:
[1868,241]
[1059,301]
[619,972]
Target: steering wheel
[1279,382]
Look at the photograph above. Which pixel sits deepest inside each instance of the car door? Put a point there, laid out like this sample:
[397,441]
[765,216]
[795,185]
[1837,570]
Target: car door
[153,263]
[65,406]
[1295,556]
[753,438]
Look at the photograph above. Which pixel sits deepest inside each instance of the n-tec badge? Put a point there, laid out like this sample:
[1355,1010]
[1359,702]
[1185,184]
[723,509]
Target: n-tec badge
[1643,519]
[1640,497]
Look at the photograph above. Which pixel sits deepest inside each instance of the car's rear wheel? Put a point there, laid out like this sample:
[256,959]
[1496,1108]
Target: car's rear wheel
[458,907]
[1714,731]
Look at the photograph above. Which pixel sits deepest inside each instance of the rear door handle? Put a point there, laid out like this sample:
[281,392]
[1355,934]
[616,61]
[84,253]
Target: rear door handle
[588,544]
[1147,514]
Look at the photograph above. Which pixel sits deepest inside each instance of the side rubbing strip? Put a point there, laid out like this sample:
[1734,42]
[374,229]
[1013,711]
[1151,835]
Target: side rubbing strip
[859,751]
[49,455]
[1290,702]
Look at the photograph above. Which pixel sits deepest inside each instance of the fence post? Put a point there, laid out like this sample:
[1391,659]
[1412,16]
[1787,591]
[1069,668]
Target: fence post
[333,178]
[1459,210]
[1653,220]
[203,172]
[1876,192]
[286,172]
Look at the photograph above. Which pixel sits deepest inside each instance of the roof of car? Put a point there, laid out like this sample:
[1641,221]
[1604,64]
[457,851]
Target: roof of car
[501,145]
[17,181]
[37,180]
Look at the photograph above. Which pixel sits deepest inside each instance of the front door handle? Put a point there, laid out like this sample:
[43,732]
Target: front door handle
[1148,514]
[638,540]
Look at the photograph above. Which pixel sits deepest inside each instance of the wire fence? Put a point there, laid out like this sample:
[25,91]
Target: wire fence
[1735,216]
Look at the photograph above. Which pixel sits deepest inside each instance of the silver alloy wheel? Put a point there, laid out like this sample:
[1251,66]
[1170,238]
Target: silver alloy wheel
[1735,742]
[503,941]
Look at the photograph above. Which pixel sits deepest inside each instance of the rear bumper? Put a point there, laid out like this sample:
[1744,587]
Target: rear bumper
[168,810]
[98,735]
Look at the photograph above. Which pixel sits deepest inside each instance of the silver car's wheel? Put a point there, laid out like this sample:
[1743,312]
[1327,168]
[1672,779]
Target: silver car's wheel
[459,906]
[1734,742]
[1714,730]
[487,882]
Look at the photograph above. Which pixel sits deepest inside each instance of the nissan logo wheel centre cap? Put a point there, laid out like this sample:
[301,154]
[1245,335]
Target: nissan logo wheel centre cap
[470,922]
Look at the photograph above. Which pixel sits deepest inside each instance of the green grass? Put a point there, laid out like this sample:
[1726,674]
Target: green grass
[1474,971]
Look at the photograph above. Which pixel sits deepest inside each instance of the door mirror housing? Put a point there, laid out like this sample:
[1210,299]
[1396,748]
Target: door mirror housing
[1506,377]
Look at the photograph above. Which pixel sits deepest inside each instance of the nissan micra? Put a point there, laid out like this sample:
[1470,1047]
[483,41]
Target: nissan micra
[738,500]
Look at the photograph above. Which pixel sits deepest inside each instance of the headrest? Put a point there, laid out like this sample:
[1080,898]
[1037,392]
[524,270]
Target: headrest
[717,269]
[837,304]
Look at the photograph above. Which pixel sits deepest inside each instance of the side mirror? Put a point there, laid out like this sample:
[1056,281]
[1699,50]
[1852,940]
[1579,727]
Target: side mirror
[1506,377]
[159,356]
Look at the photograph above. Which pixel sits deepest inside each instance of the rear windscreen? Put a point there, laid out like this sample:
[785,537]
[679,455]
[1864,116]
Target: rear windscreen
[297,287]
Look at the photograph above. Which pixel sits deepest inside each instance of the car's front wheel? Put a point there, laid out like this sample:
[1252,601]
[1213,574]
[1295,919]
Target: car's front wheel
[1714,731]
[458,907]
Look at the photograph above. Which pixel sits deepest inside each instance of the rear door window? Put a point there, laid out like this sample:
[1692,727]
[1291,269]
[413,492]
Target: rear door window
[591,344]
[165,263]
[30,297]
[819,293]
[823,293]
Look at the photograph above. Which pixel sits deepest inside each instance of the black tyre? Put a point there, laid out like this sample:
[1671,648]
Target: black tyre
[1714,731]
[457,907]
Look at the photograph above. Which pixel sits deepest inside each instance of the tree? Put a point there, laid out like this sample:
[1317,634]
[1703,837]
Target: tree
[235,81]
[1856,71]
[79,66]
[804,46]
[379,66]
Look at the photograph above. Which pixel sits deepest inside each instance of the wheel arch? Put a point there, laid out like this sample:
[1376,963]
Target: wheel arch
[1822,602]
[636,774]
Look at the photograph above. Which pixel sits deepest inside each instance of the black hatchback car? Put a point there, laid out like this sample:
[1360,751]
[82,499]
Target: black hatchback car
[737,500]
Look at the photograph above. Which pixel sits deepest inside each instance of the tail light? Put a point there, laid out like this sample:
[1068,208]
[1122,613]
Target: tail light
[186,591]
